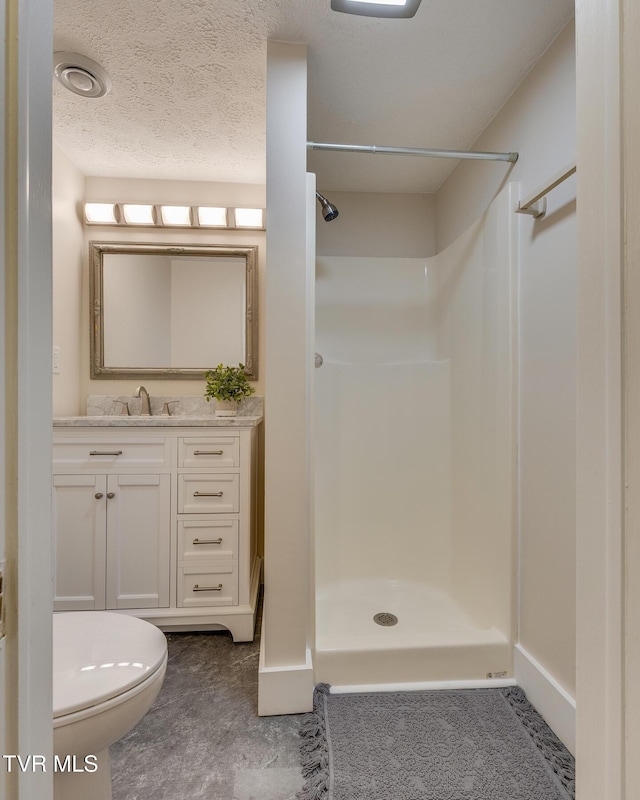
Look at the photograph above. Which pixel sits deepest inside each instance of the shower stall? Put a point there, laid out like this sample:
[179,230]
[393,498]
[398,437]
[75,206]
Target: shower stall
[414,462]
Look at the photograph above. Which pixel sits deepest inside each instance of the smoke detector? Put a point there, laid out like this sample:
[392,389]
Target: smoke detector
[81,75]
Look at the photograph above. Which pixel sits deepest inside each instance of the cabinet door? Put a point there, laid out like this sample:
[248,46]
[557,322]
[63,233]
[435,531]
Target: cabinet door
[138,542]
[79,541]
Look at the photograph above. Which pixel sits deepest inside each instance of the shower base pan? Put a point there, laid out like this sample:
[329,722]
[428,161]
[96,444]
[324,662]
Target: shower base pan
[433,640]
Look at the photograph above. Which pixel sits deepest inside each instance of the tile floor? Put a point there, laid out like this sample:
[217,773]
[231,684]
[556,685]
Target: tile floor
[203,738]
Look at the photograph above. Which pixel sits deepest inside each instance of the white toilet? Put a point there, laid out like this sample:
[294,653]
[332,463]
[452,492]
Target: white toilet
[107,671]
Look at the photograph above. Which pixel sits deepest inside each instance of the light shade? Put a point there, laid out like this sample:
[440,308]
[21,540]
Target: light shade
[176,215]
[377,8]
[210,217]
[249,218]
[156,215]
[138,214]
[100,213]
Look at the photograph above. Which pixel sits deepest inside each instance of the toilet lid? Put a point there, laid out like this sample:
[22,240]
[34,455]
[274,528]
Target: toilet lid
[98,655]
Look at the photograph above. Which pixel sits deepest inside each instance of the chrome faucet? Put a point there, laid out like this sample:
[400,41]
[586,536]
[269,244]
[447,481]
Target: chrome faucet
[145,405]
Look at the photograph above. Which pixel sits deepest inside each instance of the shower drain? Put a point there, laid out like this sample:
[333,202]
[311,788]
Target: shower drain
[385,618]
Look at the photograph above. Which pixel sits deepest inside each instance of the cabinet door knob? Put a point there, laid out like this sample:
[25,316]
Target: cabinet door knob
[99,495]
[111,495]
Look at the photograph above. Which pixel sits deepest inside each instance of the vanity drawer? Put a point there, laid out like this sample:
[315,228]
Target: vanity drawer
[99,454]
[208,586]
[212,451]
[207,540]
[208,494]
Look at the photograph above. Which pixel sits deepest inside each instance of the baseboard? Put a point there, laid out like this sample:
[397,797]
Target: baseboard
[482,683]
[285,690]
[547,696]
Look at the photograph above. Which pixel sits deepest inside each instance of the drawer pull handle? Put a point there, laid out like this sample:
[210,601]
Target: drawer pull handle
[208,452]
[217,588]
[207,494]
[105,452]
[208,541]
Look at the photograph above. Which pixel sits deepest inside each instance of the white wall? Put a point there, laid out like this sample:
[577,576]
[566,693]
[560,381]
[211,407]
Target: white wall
[538,121]
[378,224]
[382,465]
[607,92]
[286,674]
[68,249]
[476,299]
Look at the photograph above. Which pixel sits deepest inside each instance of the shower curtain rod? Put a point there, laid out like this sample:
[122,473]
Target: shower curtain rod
[413,151]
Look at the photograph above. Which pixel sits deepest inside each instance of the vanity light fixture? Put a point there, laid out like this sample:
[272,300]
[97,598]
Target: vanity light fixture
[101,213]
[176,215]
[136,214]
[161,216]
[211,217]
[377,8]
[249,218]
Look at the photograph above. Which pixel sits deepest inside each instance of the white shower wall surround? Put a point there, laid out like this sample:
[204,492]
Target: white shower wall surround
[414,460]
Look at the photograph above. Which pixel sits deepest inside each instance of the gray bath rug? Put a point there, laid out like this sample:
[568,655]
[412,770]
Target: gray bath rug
[469,744]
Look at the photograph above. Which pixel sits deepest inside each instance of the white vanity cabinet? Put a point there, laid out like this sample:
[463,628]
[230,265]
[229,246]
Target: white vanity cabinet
[112,523]
[159,522]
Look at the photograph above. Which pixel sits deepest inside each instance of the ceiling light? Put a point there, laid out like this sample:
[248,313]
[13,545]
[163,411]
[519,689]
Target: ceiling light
[138,214]
[210,217]
[81,75]
[377,8]
[176,215]
[100,213]
[249,218]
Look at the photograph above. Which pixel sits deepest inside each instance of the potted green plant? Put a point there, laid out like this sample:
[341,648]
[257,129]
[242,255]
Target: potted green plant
[228,385]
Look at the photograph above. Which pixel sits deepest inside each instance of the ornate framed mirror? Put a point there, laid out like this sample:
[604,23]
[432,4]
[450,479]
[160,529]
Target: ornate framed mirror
[172,311]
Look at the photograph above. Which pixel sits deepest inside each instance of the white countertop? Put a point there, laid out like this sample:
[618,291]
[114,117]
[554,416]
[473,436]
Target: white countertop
[160,421]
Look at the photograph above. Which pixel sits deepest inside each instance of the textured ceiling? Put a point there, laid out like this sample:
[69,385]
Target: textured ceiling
[188,97]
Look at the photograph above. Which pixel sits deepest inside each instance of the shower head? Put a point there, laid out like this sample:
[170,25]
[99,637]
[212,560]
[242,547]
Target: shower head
[329,211]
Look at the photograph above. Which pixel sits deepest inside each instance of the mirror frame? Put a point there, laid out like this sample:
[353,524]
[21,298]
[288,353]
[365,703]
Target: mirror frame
[97,251]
